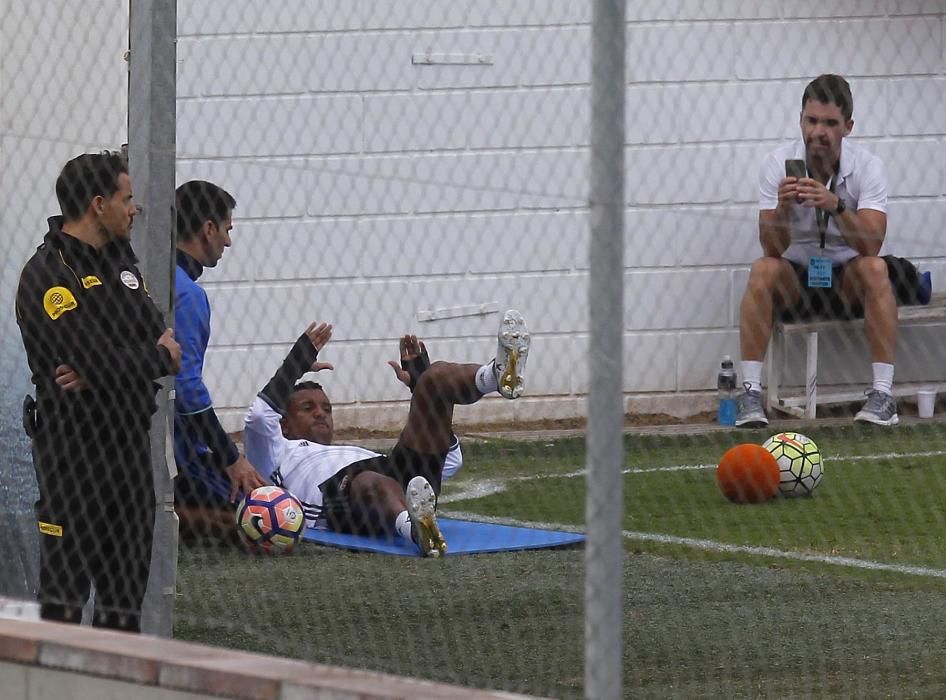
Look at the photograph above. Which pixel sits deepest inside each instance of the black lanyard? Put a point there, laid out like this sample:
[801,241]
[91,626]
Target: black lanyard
[822,216]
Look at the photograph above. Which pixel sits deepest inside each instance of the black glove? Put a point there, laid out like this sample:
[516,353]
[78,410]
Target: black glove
[416,366]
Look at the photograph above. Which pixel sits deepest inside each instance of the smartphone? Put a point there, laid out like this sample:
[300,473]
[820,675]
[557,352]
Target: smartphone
[796,168]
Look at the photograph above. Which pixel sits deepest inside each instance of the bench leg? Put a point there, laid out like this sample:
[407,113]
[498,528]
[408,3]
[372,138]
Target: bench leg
[811,376]
[773,369]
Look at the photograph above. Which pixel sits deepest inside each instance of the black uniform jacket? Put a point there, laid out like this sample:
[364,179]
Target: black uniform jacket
[88,308]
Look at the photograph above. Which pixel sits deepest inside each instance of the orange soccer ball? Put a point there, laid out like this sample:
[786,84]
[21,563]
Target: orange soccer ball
[748,474]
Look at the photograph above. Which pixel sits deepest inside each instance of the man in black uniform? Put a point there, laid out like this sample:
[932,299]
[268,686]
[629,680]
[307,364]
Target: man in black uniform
[90,327]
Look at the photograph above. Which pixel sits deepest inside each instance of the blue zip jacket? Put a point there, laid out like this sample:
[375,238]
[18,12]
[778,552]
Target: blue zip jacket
[198,435]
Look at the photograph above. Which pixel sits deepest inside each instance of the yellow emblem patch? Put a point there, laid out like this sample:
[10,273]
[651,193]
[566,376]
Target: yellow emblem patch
[50,529]
[57,301]
[91,281]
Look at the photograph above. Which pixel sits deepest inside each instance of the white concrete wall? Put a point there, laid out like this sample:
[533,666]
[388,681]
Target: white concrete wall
[63,91]
[373,189]
[376,188]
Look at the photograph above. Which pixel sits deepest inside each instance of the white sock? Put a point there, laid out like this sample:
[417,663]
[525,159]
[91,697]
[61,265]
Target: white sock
[752,374]
[486,381]
[883,377]
[402,523]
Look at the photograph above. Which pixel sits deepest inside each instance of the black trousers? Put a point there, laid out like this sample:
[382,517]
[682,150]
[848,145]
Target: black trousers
[96,518]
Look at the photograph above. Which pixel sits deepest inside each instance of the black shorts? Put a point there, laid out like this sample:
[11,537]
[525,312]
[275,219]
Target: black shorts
[402,465]
[816,302]
[909,288]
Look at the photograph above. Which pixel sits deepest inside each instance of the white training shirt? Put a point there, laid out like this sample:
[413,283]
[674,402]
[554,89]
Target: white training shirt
[861,183]
[300,466]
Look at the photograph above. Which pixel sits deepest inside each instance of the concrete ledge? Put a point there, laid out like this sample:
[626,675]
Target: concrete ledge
[197,670]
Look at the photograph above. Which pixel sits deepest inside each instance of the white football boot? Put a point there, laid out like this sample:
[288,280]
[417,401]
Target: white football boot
[421,507]
[511,354]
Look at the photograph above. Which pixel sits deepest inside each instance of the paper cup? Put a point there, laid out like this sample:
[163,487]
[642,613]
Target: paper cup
[925,401]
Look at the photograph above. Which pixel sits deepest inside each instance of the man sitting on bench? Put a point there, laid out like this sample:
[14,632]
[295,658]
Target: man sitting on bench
[822,223]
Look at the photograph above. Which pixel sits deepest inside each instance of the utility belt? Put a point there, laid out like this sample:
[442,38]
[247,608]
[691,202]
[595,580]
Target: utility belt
[81,408]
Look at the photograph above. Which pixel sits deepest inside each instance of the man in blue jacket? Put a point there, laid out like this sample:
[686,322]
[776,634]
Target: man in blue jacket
[204,452]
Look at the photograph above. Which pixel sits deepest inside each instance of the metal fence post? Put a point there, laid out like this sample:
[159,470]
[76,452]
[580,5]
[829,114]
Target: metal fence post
[151,153]
[604,506]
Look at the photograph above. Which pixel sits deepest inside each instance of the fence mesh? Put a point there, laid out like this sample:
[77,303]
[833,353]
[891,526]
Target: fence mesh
[420,168]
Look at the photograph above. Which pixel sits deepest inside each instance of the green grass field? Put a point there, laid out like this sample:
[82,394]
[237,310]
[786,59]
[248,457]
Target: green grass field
[839,595]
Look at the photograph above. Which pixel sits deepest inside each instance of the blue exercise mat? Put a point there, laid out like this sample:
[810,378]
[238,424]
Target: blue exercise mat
[463,537]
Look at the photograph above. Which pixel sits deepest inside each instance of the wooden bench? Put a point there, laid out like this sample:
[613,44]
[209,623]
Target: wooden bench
[805,406]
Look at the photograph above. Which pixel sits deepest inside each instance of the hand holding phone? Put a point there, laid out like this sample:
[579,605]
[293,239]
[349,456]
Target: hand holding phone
[796,168]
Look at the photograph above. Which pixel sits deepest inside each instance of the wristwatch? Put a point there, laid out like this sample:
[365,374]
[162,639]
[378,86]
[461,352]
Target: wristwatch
[840,208]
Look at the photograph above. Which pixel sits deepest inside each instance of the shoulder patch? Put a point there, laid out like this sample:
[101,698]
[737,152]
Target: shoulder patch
[91,281]
[129,279]
[57,301]
[50,529]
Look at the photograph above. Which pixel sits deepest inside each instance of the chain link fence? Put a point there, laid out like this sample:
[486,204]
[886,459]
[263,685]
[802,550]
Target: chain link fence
[420,168]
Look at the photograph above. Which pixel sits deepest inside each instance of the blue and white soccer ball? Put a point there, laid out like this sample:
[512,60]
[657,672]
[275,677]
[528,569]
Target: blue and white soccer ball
[271,519]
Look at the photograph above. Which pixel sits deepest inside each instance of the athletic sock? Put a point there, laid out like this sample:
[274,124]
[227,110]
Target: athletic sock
[402,524]
[486,381]
[752,374]
[883,377]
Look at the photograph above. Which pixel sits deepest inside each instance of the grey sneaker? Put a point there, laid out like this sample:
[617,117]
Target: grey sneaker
[421,507]
[749,411]
[880,409]
[511,354]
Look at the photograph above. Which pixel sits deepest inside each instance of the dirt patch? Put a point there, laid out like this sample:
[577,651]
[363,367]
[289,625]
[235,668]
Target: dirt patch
[631,420]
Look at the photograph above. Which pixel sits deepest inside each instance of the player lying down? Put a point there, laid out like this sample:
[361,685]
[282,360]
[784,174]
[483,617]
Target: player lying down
[345,488]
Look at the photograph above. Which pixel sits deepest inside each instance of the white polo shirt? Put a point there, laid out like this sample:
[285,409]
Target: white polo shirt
[860,182]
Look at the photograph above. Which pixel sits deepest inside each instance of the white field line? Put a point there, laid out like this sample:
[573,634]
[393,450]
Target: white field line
[495,486]
[714,546]
[488,487]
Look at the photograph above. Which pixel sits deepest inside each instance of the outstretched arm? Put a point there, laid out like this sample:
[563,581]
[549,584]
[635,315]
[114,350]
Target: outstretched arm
[262,435]
[414,361]
[302,358]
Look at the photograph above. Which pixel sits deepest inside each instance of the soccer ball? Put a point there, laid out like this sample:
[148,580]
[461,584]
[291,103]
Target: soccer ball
[799,461]
[271,518]
[747,473]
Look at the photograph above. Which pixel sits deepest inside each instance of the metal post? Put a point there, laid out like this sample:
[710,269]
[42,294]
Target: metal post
[605,454]
[151,158]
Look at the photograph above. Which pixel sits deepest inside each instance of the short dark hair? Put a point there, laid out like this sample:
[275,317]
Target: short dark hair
[198,201]
[830,89]
[302,386]
[86,177]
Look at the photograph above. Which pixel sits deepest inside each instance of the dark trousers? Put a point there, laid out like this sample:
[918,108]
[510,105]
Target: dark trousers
[96,518]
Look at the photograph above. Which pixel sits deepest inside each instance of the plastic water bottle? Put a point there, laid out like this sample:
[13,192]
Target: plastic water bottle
[925,292]
[726,385]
